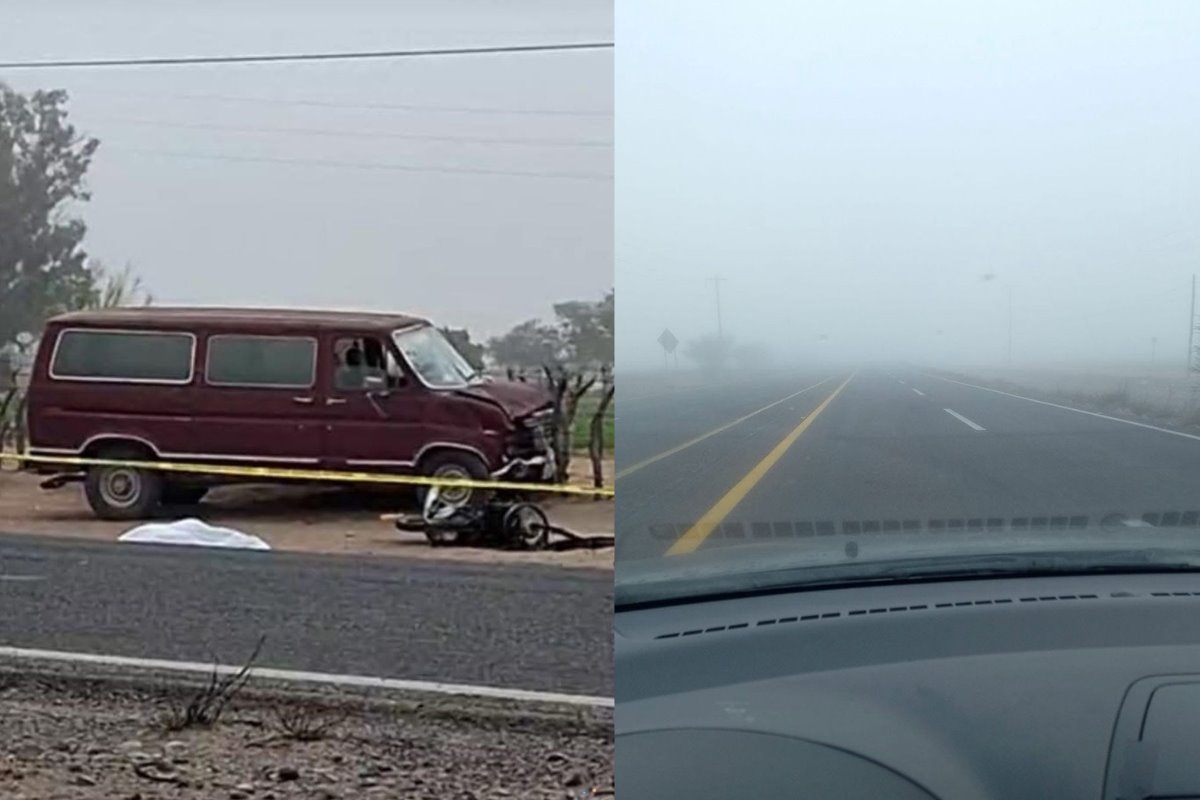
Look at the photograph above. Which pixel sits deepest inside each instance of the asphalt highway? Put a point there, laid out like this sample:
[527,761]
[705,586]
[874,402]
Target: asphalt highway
[790,455]
[534,628]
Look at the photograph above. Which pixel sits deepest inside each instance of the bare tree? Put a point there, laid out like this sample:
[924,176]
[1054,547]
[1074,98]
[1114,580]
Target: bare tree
[567,387]
[596,438]
[11,412]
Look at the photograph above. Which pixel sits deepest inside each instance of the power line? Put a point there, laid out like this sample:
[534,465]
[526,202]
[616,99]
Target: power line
[365,134]
[583,176]
[406,107]
[259,101]
[292,57]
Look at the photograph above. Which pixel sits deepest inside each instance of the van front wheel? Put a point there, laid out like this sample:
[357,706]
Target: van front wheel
[456,465]
[122,492]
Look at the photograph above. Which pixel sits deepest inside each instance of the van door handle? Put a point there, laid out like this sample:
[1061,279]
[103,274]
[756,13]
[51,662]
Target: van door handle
[305,400]
[335,401]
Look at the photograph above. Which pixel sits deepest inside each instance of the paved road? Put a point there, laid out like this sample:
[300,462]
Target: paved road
[892,446]
[536,628]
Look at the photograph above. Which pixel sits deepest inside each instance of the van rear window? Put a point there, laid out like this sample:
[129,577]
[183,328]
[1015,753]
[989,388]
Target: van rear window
[285,362]
[147,357]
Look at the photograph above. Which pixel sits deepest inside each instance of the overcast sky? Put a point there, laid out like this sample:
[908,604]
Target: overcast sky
[174,195]
[853,169]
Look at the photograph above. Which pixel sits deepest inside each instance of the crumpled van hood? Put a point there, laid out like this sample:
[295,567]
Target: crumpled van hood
[518,399]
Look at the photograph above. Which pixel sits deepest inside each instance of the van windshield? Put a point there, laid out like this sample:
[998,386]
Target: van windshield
[433,357]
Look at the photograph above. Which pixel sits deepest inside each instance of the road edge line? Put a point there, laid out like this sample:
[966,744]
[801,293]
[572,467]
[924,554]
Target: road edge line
[1145,425]
[301,676]
[695,536]
[677,448]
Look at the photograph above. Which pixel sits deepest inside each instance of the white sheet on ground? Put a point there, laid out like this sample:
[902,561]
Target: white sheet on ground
[193,532]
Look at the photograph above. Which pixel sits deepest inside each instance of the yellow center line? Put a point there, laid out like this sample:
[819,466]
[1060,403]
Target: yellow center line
[635,467]
[695,535]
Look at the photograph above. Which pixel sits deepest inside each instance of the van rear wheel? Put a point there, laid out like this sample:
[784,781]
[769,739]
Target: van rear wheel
[119,492]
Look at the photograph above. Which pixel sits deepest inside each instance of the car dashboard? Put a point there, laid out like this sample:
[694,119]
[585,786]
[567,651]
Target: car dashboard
[1063,687]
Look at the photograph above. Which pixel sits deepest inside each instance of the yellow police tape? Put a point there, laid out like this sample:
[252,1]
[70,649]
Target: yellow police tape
[287,473]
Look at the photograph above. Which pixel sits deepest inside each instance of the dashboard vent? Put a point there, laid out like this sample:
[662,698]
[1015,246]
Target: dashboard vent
[871,611]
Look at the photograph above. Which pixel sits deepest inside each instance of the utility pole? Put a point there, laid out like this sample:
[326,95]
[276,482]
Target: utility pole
[1192,327]
[1010,324]
[716,279]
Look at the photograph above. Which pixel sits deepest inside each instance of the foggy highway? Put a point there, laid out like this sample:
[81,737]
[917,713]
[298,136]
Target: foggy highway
[795,455]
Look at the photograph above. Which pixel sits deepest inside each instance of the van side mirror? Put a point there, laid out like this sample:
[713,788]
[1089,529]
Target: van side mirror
[375,383]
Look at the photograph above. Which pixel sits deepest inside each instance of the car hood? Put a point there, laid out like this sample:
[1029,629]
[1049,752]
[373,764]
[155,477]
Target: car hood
[518,399]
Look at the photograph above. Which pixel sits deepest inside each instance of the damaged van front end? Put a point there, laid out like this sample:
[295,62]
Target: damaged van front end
[530,449]
[527,453]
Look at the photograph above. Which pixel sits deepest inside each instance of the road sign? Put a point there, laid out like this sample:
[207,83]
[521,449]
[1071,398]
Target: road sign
[668,340]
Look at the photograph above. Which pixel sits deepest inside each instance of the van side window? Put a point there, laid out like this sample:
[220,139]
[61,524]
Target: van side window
[285,362]
[123,356]
[359,357]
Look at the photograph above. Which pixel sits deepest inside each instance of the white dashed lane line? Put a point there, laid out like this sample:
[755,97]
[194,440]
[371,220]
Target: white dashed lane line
[963,420]
[918,391]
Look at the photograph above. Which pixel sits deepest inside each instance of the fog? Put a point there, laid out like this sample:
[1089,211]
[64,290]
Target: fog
[875,180]
[295,184]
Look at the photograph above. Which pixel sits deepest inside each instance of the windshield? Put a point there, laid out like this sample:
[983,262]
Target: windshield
[897,288]
[433,357]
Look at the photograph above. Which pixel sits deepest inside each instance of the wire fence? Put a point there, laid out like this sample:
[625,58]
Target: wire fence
[587,405]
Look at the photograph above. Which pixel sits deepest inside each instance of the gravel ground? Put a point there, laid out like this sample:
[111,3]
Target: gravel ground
[85,739]
[300,519]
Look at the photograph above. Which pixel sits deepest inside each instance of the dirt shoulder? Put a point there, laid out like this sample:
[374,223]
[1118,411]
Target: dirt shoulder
[301,519]
[66,737]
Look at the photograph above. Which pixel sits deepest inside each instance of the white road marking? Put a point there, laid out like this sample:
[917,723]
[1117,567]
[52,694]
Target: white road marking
[22,578]
[647,462]
[963,419]
[359,681]
[918,391]
[1076,410]
[902,383]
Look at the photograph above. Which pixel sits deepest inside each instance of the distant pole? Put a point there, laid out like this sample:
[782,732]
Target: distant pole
[716,279]
[1010,323]
[1153,348]
[1192,326]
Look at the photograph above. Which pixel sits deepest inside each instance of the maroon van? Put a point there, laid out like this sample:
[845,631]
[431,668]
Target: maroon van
[308,389]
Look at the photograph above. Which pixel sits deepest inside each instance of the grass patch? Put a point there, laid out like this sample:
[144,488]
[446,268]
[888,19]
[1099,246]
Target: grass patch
[583,420]
[305,723]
